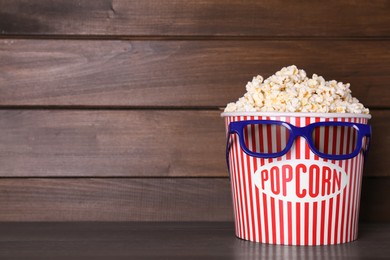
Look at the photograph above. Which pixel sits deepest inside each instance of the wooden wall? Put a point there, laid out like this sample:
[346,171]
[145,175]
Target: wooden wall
[109,110]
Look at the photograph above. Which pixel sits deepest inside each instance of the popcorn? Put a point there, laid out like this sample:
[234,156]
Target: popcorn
[290,90]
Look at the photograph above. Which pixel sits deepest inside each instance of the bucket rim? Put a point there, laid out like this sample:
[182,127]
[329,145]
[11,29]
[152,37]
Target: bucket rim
[298,114]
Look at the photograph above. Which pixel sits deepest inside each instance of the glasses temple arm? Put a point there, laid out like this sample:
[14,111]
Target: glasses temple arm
[228,147]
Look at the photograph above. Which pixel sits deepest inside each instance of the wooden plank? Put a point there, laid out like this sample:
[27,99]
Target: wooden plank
[195,18]
[107,199]
[375,199]
[172,240]
[380,145]
[178,73]
[111,143]
[143,199]
[132,143]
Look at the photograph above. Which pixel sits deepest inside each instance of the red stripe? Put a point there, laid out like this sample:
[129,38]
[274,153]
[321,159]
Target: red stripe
[289,218]
[315,223]
[238,179]
[281,218]
[265,219]
[258,214]
[254,137]
[306,223]
[261,140]
[356,171]
[341,142]
[350,187]
[288,154]
[334,131]
[246,224]
[355,188]
[273,221]
[234,174]
[317,138]
[359,195]
[345,208]
[322,232]
[233,190]
[269,138]
[297,142]
[307,148]
[334,140]
[278,139]
[249,174]
[336,224]
[237,189]
[326,139]
[353,201]
[227,122]
[361,163]
[330,221]
[343,216]
[298,218]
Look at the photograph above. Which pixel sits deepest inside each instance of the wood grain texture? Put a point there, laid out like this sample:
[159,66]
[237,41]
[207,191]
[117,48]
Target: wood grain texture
[143,199]
[195,18]
[188,240]
[375,199]
[111,143]
[123,199]
[178,73]
[132,143]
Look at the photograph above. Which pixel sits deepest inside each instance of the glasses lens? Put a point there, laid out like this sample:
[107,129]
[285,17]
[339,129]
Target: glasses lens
[266,138]
[335,140]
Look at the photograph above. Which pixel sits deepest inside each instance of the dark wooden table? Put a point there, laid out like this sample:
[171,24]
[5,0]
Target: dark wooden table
[201,240]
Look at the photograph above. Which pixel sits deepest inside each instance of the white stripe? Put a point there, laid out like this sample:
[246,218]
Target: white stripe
[282,137]
[262,202]
[262,216]
[310,223]
[253,187]
[351,199]
[337,241]
[359,186]
[232,178]
[274,139]
[358,190]
[242,195]
[345,192]
[322,138]
[234,191]
[269,217]
[285,222]
[326,220]
[238,190]
[277,221]
[265,139]
[333,224]
[330,141]
[248,172]
[294,223]
[303,140]
[319,223]
[231,165]
[302,210]
[357,173]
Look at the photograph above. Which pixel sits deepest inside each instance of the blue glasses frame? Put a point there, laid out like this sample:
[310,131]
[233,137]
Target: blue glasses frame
[363,130]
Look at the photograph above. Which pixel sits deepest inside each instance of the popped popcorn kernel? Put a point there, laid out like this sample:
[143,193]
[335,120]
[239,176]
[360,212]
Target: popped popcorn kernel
[290,90]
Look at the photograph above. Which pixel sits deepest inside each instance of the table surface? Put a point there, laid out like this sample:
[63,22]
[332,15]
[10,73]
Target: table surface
[164,240]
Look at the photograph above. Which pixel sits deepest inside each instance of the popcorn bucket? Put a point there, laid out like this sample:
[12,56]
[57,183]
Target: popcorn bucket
[296,177]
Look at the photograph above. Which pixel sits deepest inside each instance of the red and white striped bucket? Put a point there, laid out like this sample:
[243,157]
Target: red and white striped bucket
[317,203]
